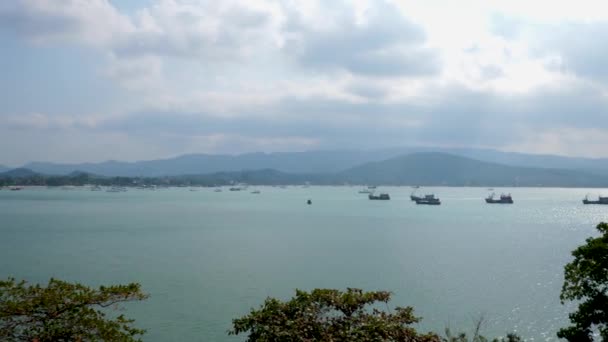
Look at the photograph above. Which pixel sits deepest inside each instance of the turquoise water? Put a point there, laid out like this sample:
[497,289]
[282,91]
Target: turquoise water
[208,257]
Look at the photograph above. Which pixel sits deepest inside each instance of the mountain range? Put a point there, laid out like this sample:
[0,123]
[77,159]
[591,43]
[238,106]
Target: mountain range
[452,170]
[306,162]
[422,168]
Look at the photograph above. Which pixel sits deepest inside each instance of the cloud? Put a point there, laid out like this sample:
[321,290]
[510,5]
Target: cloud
[137,73]
[577,45]
[569,47]
[368,90]
[238,76]
[92,22]
[207,31]
[378,42]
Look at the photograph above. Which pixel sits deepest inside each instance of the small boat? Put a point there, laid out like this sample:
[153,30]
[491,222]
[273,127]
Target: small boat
[96,188]
[371,187]
[16,188]
[428,200]
[256,192]
[600,200]
[365,191]
[382,197]
[504,199]
[217,190]
[235,189]
[414,197]
[309,202]
[117,189]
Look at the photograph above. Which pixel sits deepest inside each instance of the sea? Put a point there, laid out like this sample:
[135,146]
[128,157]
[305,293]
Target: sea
[208,257]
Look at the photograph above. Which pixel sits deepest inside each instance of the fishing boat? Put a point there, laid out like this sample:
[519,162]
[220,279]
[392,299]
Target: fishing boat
[382,197]
[503,199]
[600,200]
[415,197]
[428,200]
[256,192]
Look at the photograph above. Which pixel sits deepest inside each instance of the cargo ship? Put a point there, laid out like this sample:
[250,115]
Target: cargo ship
[503,199]
[600,200]
[428,200]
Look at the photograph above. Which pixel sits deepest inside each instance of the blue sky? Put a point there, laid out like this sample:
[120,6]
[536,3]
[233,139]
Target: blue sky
[91,80]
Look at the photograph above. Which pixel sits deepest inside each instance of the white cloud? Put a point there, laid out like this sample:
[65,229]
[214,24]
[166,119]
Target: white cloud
[280,74]
[91,22]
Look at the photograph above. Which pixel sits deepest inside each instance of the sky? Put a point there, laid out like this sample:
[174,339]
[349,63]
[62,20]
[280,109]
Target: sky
[92,80]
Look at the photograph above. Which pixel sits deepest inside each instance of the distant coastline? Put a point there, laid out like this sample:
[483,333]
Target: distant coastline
[416,169]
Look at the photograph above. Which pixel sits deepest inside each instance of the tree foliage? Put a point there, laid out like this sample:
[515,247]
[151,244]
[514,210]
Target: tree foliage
[64,311]
[586,281]
[330,315]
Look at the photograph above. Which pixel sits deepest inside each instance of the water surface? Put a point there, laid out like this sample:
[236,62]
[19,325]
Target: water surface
[208,257]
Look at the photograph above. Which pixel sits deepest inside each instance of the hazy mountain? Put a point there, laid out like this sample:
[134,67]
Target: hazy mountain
[18,173]
[446,169]
[424,168]
[292,162]
[4,168]
[306,162]
[257,177]
[596,165]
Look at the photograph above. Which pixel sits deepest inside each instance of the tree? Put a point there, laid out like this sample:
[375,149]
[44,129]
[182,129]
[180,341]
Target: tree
[586,281]
[330,315]
[64,311]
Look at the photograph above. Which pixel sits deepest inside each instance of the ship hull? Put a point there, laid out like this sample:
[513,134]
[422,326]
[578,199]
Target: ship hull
[595,202]
[493,201]
[423,202]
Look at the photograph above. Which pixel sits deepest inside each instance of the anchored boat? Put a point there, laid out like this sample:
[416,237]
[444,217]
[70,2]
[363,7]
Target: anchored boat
[600,200]
[415,197]
[428,200]
[383,197]
[504,199]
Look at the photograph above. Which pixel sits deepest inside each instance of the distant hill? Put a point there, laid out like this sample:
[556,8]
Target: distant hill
[424,168]
[306,162]
[4,168]
[256,177]
[595,165]
[18,173]
[446,169]
[291,162]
